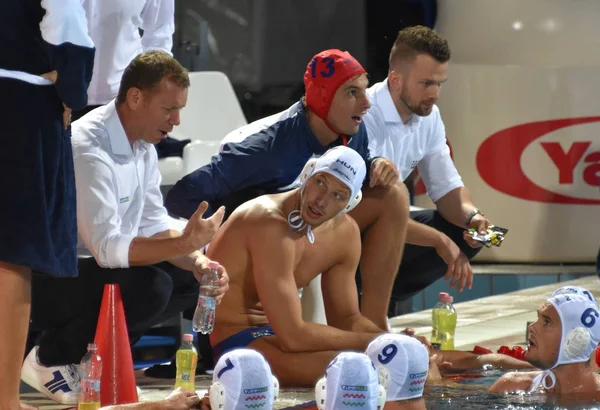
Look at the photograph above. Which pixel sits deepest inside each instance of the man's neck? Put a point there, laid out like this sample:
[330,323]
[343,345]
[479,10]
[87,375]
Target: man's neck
[323,133]
[403,110]
[575,377]
[125,115]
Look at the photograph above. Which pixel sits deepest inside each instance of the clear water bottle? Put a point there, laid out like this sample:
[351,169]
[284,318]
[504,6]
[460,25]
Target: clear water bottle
[91,372]
[443,318]
[204,316]
[186,361]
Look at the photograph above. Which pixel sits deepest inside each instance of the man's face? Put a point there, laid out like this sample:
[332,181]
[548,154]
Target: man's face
[323,198]
[544,338]
[418,83]
[159,110]
[349,104]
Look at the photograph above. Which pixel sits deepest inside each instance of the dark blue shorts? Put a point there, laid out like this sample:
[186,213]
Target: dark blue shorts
[241,339]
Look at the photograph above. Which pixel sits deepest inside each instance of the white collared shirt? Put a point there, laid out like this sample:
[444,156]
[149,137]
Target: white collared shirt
[421,142]
[118,188]
[114,28]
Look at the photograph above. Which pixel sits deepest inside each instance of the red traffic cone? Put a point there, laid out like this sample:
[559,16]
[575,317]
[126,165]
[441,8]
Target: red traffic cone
[117,385]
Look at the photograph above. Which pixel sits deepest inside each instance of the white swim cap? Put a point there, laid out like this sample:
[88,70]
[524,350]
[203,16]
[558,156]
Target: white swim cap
[343,163]
[350,382]
[403,364]
[577,290]
[242,380]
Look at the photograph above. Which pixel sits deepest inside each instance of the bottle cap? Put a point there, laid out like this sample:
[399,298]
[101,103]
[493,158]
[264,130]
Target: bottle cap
[92,346]
[188,337]
[213,265]
[443,295]
[449,299]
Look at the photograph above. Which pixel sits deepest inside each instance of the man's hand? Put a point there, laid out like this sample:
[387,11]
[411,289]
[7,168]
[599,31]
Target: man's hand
[459,268]
[201,267]
[411,332]
[479,223]
[383,172]
[181,400]
[205,401]
[198,231]
[53,76]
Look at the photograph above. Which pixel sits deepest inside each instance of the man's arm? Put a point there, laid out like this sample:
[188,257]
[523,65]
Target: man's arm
[273,259]
[456,206]
[158,23]
[511,382]
[237,167]
[99,223]
[64,28]
[339,289]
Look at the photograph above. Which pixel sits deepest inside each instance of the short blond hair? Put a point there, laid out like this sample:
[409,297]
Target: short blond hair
[148,69]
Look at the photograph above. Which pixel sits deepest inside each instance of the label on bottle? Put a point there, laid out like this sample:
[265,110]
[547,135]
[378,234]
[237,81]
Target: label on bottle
[186,377]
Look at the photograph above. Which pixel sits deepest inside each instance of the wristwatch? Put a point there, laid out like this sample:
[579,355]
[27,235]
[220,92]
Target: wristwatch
[472,215]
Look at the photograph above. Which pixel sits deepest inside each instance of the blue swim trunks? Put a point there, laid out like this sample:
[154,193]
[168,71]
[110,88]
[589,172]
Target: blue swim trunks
[241,339]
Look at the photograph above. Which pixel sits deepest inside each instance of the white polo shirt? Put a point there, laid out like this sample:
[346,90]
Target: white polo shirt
[419,143]
[118,188]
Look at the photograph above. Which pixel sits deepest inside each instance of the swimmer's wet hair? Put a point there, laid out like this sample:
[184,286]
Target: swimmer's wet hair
[415,40]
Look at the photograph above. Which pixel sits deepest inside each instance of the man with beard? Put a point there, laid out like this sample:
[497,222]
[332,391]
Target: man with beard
[267,156]
[404,125]
[561,343]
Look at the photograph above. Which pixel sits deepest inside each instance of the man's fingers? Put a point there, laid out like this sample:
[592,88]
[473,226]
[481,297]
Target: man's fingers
[66,117]
[51,75]
[463,277]
[455,274]
[201,209]
[193,400]
[375,175]
[448,274]
[482,227]
[469,276]
[218,216]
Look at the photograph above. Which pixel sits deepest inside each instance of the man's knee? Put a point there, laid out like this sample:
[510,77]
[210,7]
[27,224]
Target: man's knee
[148,292]
[391,204]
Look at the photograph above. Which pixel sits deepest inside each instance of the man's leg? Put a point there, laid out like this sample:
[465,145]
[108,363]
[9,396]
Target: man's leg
[68,309]
[421,266]
[293,369]
[15,305]
[382,216]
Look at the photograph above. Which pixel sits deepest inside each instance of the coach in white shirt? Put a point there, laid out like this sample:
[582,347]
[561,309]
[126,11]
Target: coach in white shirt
[114,26]
[405,126]
[126,236]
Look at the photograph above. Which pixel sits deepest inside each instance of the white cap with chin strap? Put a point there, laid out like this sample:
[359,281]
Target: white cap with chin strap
[347,166]
[580,333]
[350,382]
[242,380]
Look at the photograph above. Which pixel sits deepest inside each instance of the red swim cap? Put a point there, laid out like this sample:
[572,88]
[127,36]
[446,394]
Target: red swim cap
[325,73]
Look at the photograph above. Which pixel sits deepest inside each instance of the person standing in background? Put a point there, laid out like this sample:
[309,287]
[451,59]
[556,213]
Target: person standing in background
[114,27]
[45,68]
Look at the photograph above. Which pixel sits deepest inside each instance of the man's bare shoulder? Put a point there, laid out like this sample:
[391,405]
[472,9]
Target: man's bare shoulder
[513,381]
[260,214]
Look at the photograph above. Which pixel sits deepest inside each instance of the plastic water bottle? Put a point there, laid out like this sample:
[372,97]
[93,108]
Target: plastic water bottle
[443,317]
[186,361]
[204,316]
[91,372]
